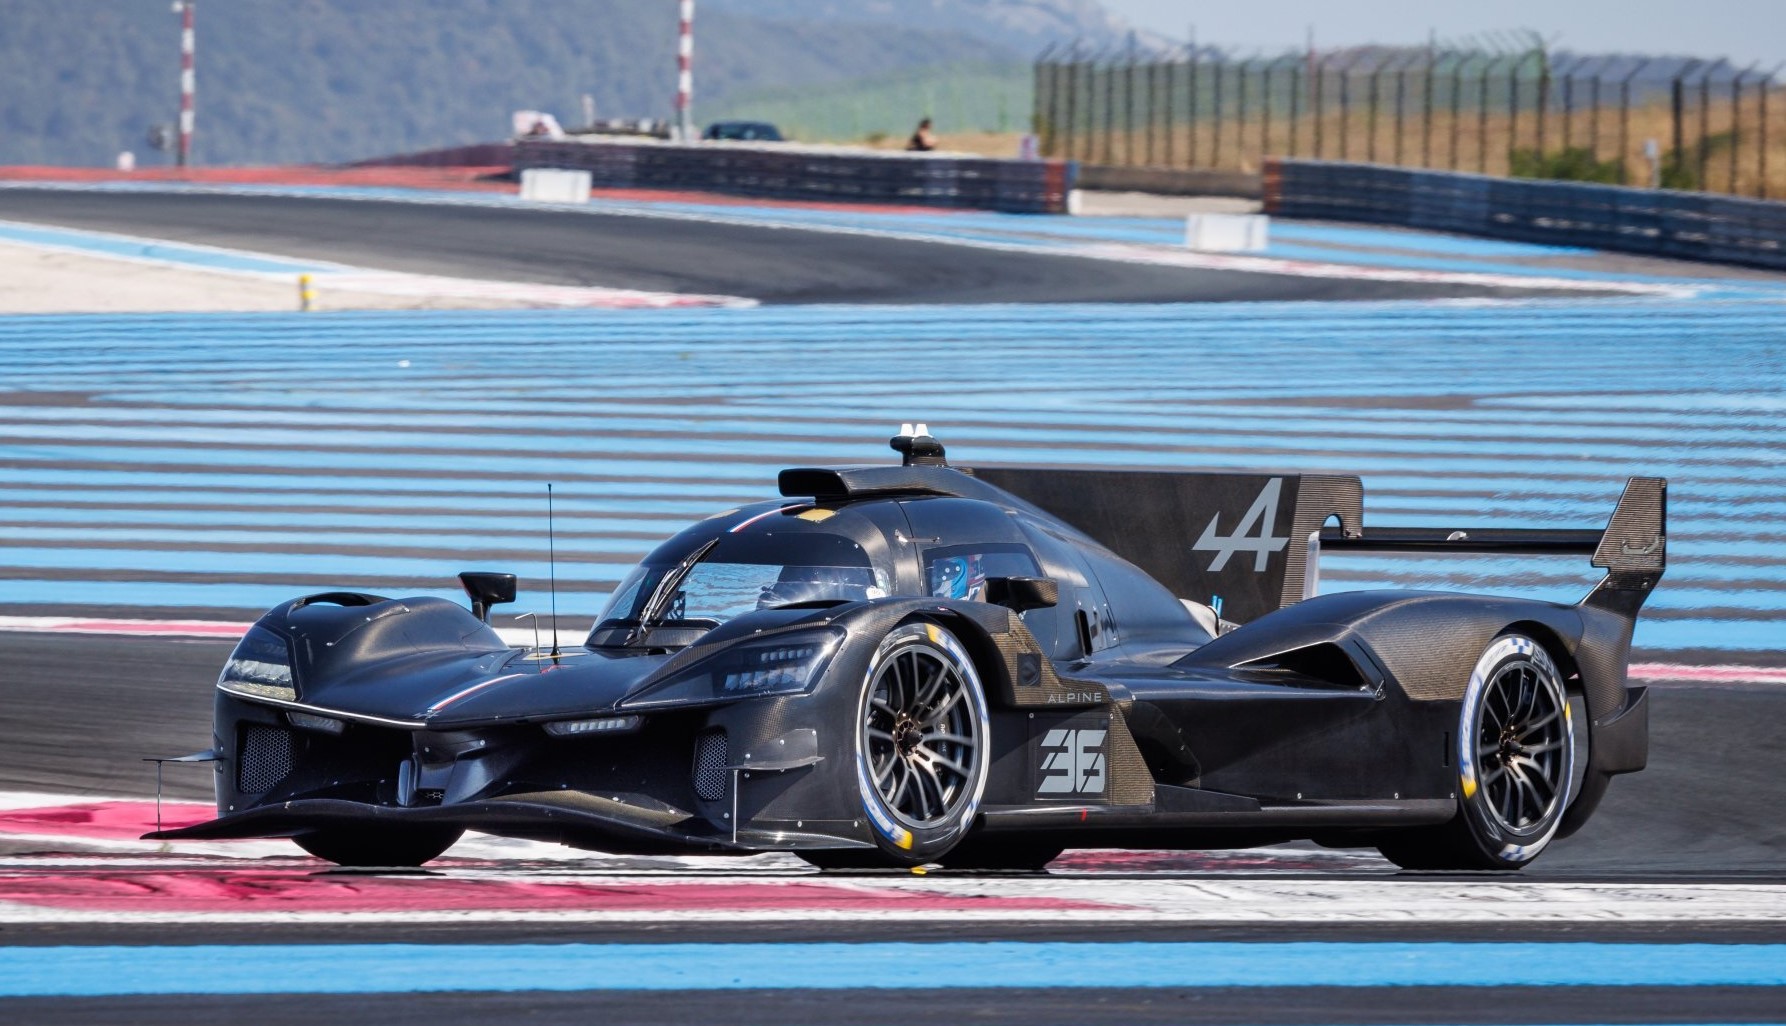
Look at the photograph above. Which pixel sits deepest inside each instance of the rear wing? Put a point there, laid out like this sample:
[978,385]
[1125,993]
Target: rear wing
[1250,543]
[1633,548]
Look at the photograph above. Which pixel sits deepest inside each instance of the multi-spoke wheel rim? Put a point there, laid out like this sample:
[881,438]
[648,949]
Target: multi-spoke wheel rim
[1522,745]
[921,734]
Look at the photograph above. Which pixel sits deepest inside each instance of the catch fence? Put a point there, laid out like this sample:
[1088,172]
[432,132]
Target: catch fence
[1681,124]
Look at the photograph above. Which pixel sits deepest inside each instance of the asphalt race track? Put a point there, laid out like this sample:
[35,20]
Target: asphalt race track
[780,265]
[187,468]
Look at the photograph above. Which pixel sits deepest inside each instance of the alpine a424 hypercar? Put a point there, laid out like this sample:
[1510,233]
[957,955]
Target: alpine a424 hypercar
[913,663]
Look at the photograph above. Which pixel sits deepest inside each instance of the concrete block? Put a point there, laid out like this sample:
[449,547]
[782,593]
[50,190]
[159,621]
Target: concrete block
[1227,233]
[552,185]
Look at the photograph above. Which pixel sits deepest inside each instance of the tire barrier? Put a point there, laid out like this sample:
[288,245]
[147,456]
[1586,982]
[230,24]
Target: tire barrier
[495,154]
[1654,222]
[972,183]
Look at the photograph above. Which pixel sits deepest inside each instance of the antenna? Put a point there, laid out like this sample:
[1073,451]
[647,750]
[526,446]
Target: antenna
[552,567]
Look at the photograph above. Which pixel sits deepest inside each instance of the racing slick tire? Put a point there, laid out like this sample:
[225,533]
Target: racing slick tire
[1516,753]
[379,846]
[921,749]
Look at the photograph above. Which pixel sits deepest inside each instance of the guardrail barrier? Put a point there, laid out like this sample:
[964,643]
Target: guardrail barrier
[916,179]
[1656,222]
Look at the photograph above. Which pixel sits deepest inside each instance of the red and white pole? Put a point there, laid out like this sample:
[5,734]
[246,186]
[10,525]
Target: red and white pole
[685,77]
[187,83]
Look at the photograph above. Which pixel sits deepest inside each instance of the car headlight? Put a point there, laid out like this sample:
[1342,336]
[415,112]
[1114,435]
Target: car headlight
[260,667]
[786,665]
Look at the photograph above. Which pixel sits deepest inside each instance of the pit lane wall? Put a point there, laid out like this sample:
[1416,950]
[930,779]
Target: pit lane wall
[1654,222]
[807,173]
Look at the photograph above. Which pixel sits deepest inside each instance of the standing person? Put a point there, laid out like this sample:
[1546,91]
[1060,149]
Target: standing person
[923,138]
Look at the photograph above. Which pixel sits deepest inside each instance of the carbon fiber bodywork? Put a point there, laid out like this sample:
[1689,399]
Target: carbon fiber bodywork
[1112,717]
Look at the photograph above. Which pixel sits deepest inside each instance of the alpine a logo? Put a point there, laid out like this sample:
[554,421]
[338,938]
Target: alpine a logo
[1072,762]
[1252,534]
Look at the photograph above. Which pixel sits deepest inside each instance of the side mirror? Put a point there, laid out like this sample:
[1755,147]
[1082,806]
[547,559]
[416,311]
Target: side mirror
[1022,593]
[486,590]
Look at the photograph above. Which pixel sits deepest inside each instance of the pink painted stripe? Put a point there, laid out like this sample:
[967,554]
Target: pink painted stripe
[1708,674]
[200,628]
[303,890]
[104,820]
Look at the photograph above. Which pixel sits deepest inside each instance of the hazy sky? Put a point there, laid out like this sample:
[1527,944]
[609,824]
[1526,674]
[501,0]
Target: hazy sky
[1744,30]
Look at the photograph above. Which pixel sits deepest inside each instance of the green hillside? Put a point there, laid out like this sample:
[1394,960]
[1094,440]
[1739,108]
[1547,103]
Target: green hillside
[335,80]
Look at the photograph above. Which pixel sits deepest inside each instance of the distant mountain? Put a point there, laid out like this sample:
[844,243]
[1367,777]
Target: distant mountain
[335,80]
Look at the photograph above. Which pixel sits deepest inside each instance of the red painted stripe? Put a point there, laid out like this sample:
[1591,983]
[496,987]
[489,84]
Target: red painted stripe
[302,890]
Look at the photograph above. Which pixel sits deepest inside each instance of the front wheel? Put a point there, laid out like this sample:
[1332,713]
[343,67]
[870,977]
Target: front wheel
[379,846]
[1516,747]
[921,744]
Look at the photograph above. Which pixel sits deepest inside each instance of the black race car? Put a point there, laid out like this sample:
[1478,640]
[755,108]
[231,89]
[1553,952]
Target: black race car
[915,663]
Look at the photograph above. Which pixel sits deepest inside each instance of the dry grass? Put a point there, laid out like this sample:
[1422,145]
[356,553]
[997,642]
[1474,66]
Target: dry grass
[1470,143]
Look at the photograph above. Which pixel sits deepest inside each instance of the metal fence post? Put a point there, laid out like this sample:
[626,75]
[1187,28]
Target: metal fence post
[1482,118]
[1705,131]
[1191,143]
[1594,115]
[1242,72]
[1370,130]
[1512,113]
[1568,106]
[1345,99]
[1265,113]
[1295,100]
[1172,126]
[1215,148]
[1401,90]
[1678,100]
[1110,112]
[1736,128]
[1070,146]
[1543,98]
[1128,111]
[1625,119]
[1426,130]
[1761,118]
[1320,105]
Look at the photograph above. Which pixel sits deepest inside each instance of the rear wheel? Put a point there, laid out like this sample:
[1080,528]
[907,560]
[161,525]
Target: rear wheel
[379,846]
[1516,748]
[921,748]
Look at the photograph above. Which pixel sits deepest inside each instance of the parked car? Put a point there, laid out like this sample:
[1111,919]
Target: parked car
[743,131]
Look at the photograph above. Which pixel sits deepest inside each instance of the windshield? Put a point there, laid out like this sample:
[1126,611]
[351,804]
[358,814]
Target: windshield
[742,577]
[720,591]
